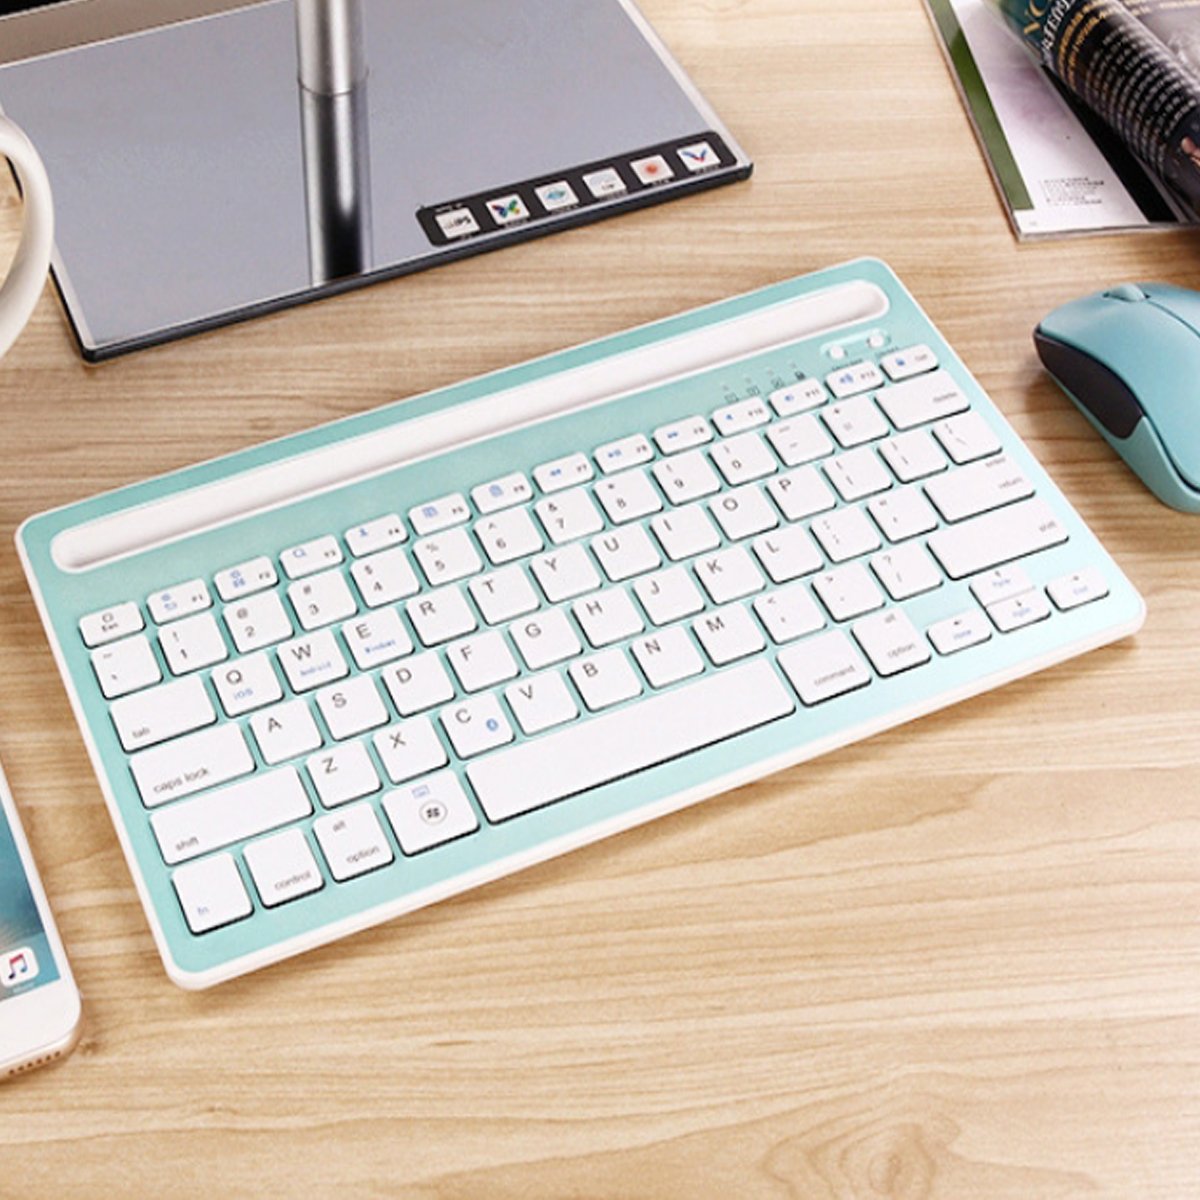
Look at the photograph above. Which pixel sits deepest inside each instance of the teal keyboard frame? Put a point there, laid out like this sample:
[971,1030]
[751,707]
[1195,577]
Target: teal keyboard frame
[338,909]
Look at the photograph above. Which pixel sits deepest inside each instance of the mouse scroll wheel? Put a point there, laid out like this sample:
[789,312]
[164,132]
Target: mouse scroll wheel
[1127,291]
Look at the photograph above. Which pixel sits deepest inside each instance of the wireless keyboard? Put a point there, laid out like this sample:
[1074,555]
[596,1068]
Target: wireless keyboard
[334,678]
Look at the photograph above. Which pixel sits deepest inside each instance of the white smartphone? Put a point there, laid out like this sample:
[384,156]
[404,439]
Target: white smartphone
[39,1003]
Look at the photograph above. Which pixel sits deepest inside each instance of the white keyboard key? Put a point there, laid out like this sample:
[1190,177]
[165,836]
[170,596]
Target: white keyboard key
[788,553]
[566,573]
[246,684]
[891,642]
[192,643]
[322,599]
[978,488]
[789,613]
[683,435]
[744,458]
[283,868]
[607,617]
[440,616]
[191,764]
[855,422]
[545,639]
[605,679]
[285,731]
[846,534]
[125,666]
[824,666]
[342,773]
[257,621]
[728,634]
[685,532]
[246,578]
[211,893]
[449,556]
[997,537]
[569,515]
[967,437]
[430,813]
[926,398]
[969,628]
[309,662]
[857,474]
[1080,587]
[904,364]
[379,534]
[669,595]
[237,811]
[626,452]
[385,577]
[624,553]
[592,753]
[799,441]
[798,397]
[377,638]
[902,514]
[686,478]
[849,381]
[504,594]
[352,842]
[848,592]
[729,575]
[563,473]
[628,497]
[667,657]
[741,415]
[913,455]
[481,661]
[502,493]
[541,702]
[410,749]
[436,515]
[507,536]
[742,512]
[180,600]
[1019,611]
[417,684]
[801,493]
[1001,583]
[476,725]
[351,707]
[109,624]
[310,557]
[906,571]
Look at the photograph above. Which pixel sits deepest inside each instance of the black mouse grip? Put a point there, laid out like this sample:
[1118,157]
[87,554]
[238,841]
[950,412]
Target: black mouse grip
[1093,385]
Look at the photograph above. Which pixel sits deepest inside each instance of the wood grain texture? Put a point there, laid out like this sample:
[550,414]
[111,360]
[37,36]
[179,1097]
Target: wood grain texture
[958,962]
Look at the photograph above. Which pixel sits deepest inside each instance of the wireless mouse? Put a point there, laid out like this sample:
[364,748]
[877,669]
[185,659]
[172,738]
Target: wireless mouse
[1129,358]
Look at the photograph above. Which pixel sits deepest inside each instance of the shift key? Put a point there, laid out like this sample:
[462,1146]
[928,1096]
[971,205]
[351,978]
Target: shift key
[997,537]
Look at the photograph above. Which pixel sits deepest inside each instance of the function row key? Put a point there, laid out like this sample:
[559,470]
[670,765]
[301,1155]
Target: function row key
[179,600]
[904,364]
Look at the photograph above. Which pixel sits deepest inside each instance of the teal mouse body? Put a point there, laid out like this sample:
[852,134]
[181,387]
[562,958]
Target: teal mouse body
[1129,358]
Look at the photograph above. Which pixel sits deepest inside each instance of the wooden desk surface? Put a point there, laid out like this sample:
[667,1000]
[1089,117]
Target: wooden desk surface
[961,960]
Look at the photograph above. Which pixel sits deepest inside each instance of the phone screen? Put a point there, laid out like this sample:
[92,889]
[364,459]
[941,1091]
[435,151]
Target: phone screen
[26,960]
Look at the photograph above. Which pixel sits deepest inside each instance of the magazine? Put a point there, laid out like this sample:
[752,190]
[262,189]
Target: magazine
[1088,111]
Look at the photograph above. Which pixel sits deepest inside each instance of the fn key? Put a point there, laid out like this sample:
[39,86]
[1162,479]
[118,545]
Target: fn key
[211,893]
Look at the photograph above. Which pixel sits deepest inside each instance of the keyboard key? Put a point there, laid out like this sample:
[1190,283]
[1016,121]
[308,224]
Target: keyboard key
[310,557]
[569,516]
[855,422]
[545,639]
[505,594]
[481,661]
[507,536]
[906,571]
[667,657]
[788,553]
[385,577]
[257,621]
[846,534]
[566,573]
[823,667]
[373,536]
[109,624]
[891,642]
[967,437]
[231,814]
[476,725]
[628,497]
[741,415]
[322,599]
[563,473]
[729,575]
[968,629]
[626,452]
[728,634]
[978,488]
[1019,611]
[848,592]
[441,616]
[801,493]
[743,459]
[685,532]
[502,493]
[624,553]
[903,364]
[430,813]
[902,514]
[312,661]
[376,638]
[997,537]
[1001,583]
[410,749]
[246,578]
[191,764]
[923,399]
[285,731]
[669,595]
[605,679]
[451,556]
[125,666]
[789,613]
[342,773]
[607,617]
[162,712]
[192,643]
[211,893]
[180,600]
[857,474]
[352,842]
[589,754]
[246,684]
[683,435]
[351,707]
[913,455]
[798,397]
[799,441]
[417,684]
[540,702]
[686,478]
[436,515]
[283,868]
[743,512]
[849,381]
[1079,588]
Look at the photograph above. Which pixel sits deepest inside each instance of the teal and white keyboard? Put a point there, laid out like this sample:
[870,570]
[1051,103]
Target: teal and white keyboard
[335,678]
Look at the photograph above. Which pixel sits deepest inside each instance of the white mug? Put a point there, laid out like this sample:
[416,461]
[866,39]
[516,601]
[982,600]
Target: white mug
[21,289]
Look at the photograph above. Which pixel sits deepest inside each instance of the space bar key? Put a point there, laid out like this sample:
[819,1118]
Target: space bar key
[606,748]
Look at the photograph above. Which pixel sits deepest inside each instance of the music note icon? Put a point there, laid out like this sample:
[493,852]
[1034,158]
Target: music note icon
[18,966]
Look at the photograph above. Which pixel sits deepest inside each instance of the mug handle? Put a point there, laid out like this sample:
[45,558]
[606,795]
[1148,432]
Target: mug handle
[20,292]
